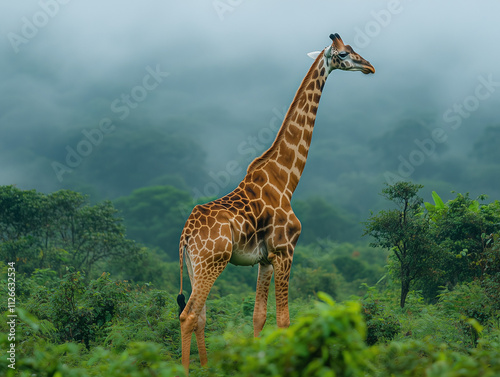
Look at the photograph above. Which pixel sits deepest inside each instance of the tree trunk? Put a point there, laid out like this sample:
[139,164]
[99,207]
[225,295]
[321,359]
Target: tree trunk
[405,288]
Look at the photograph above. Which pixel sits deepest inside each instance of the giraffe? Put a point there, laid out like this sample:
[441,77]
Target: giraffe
[255,223]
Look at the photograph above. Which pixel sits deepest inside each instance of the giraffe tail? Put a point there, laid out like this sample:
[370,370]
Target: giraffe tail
[181,299]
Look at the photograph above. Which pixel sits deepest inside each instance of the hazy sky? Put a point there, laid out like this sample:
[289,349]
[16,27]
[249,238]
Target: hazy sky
[235,64]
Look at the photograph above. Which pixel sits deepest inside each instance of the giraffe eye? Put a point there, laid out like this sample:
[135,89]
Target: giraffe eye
[343,54]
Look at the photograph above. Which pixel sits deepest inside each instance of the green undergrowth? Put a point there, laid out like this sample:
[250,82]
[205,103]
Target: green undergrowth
[134,331]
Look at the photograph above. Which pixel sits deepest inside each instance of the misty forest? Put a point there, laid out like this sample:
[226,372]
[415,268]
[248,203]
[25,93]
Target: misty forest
[117,119]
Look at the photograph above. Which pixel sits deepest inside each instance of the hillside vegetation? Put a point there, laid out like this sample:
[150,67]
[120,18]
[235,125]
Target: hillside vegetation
[95,292]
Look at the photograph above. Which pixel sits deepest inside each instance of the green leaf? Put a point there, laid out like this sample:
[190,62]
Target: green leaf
[429,207]
[439,202]
[474,206]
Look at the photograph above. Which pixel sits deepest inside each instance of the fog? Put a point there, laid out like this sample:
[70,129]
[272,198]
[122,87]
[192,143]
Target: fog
[219,75]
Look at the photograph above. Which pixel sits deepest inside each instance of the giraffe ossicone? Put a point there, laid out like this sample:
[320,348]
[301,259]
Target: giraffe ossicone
[255,223]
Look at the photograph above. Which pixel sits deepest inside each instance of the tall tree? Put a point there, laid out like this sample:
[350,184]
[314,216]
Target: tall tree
[404,231]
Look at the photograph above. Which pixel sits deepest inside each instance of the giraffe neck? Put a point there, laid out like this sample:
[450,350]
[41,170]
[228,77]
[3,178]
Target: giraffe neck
[284,161]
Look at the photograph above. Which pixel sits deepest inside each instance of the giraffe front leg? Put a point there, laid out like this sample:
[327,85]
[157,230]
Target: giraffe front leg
[282,264]
[262,291]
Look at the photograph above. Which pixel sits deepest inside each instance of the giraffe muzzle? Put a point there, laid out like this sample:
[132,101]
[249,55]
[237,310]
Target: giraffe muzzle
[362,65]
[368,69]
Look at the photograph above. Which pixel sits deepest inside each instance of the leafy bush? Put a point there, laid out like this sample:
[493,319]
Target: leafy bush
[380,326]
[469,307]
[80,312]
[308,282]
[140,359]
[467,300]
[490,280]
[326,342]
[418,358]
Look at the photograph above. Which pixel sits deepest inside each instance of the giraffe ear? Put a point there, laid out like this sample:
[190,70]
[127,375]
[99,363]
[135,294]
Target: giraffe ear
[314,55]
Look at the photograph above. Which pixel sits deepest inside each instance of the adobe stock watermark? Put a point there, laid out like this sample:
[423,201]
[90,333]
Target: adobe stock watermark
[380,19]
[30,26]
[222,7]
[250,148]
[11,316]
[453,117]
[122,107]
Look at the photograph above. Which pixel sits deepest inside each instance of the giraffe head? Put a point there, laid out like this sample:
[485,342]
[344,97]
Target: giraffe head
[341,56]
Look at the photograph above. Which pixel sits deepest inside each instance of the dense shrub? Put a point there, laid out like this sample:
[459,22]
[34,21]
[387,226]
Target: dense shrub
[419,358]
[80,312]
[328,341]
[140,359]
[380,325]
[490,280]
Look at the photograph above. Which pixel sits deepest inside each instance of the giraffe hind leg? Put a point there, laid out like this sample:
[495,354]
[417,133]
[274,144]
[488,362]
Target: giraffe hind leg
[200,336]
[187,318]
[194,316]
[209,265]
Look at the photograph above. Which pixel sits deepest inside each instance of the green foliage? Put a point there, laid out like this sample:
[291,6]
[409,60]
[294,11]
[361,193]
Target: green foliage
[309,281]
[102,328]
[22,215]
[466,300]
[81,312]
[405,231]
[437,209]
[141,334]
[337,269]
[490,279]
[328,341]
[39,231]
[234,280]
[458,232]
[351,268]
[140,359]
[79,325]
[442,247]
[380,324]
[420,358]
[148,316]
[460,227]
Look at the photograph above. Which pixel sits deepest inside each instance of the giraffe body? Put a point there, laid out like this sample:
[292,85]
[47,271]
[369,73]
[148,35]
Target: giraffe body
[255,223]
